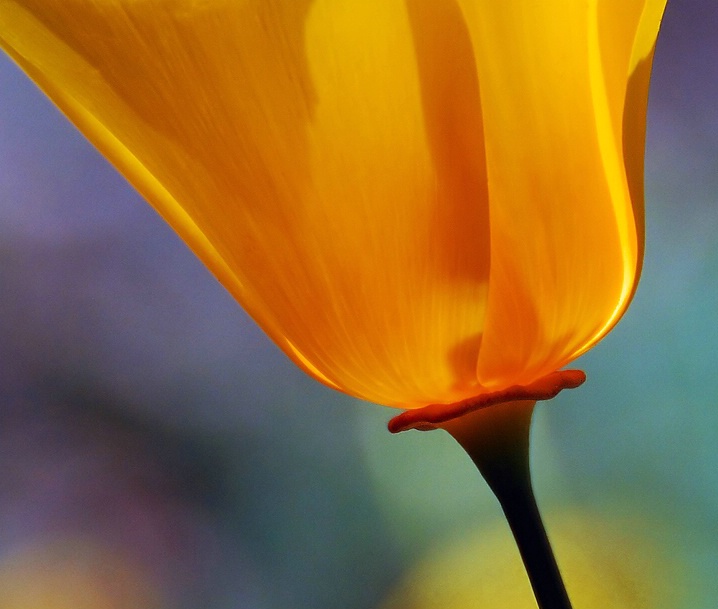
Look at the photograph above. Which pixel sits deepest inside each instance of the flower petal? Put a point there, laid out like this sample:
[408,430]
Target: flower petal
[565,235]
[324,159]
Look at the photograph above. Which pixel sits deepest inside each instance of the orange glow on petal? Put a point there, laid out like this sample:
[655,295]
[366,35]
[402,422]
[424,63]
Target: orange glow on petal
[418,201]
[333,181]
[566,231]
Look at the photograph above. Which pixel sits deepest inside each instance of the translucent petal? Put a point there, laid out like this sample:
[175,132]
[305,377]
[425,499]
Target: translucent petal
[566,240]
[325,159]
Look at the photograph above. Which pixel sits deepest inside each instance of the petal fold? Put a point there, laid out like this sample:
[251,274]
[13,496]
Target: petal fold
[566,223]
[420,201]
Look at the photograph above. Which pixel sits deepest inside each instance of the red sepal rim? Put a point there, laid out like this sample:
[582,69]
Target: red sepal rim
[431,416]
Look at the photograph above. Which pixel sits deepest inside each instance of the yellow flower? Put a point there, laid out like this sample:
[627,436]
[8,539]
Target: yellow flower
[419,201]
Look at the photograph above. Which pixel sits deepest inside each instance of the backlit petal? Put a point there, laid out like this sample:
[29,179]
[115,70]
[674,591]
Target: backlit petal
[324,158]
[566,239]
[420,201]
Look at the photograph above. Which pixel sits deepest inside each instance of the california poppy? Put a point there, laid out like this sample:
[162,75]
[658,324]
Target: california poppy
[419,201]
[430,204]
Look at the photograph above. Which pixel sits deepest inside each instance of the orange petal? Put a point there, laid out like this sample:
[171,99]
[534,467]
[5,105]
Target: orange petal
[324,159]
[566,228]
[389,188]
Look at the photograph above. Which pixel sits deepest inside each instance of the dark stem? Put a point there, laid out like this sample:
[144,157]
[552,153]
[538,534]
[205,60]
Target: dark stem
[497,440]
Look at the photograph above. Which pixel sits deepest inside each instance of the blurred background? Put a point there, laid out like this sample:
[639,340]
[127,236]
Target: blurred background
[157,451]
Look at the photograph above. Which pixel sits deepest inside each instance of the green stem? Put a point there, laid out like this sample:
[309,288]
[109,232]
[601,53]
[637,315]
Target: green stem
[497,440]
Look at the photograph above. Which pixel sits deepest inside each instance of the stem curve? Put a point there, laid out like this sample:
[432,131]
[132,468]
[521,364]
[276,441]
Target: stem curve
[497,440]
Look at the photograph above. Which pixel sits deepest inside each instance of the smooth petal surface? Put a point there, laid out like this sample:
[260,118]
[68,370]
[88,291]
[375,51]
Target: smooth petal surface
[324,158]
[418,200]
[566,229]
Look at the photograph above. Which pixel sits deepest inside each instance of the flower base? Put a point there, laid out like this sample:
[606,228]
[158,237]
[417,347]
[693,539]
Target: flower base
[434,416]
